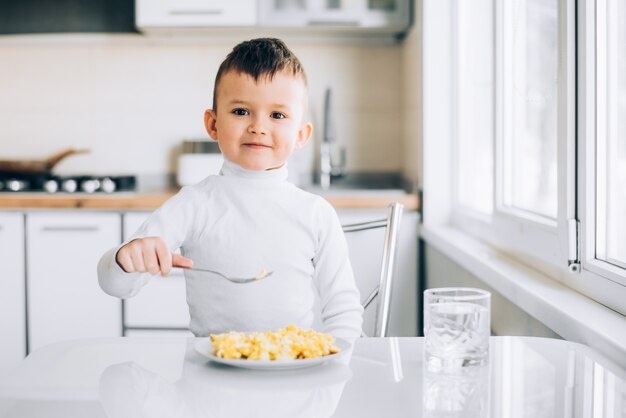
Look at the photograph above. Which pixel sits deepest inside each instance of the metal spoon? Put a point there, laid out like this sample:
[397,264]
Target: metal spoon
[239,280]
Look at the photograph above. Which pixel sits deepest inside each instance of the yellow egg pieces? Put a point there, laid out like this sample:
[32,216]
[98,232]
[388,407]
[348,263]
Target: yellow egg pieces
[290,342]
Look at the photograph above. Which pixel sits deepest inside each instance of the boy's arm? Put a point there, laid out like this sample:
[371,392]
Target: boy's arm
[115,281]
[172,222]
[342,313]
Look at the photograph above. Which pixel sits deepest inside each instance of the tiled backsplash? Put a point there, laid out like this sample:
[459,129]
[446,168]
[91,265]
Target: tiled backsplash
[132,100]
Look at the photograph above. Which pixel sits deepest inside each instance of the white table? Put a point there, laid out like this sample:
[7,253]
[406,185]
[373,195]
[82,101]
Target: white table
[165,377]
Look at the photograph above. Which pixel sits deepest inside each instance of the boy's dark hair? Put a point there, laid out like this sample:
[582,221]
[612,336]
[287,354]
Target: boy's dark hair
[261,57]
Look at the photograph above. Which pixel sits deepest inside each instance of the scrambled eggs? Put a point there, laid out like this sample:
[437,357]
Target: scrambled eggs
[290,342]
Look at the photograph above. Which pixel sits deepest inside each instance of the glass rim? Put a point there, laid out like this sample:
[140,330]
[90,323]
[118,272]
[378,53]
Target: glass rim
[447,293]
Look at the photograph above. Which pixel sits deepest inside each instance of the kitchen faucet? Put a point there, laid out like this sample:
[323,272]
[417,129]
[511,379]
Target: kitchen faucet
[327,169]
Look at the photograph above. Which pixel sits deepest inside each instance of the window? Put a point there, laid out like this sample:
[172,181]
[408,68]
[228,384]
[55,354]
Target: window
[512,70]
[602,171]
[537,115]
[611,132]
[474,109]
[529,56]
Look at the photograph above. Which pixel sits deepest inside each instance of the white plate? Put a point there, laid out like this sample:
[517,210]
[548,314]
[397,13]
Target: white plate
[205,348]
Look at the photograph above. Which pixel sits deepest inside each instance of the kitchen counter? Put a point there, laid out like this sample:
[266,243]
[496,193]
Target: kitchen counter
[152,200]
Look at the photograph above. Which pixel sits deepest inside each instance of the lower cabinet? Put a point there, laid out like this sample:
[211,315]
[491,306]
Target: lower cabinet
[160,307]
[64,298]
[49,285]
[12,289]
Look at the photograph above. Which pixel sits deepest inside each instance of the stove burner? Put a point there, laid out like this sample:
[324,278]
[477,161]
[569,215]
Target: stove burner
[66,184]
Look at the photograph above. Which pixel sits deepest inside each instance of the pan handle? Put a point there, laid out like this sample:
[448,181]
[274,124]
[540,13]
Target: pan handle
[54,159]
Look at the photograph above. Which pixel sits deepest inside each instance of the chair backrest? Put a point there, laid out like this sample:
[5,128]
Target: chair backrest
[382,290]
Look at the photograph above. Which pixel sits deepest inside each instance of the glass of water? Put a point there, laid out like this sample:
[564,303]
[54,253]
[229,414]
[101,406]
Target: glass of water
[456,327]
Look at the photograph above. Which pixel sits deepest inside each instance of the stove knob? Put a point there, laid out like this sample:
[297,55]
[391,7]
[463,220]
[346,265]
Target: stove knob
[16,185]
[70,185]
[51,186]
[108,185]
[89,186]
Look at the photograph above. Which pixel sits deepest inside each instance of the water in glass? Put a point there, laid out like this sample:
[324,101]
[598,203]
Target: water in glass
[457,334]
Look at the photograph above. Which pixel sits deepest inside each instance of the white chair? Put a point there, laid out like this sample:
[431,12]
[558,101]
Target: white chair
[382,290]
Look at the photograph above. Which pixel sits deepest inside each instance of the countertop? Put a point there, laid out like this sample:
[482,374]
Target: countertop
[379,377]
[151,200]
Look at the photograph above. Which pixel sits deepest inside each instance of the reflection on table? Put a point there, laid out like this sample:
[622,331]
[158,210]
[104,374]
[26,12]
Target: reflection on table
[212,390]
[165,377]
[456,393]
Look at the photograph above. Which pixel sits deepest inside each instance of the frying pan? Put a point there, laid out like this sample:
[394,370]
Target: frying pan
[37,166]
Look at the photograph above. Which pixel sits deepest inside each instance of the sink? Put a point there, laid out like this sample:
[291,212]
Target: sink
[362,184]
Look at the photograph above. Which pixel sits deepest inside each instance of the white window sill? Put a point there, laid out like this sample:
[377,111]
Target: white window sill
[568,313]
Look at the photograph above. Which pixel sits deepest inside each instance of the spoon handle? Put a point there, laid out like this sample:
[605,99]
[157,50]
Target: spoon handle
[204,270]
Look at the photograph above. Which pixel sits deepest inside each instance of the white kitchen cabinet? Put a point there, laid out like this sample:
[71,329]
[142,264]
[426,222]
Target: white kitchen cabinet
[64,298]
[194,13]
[160,307]
[373,14]
[366,250]
[12,301]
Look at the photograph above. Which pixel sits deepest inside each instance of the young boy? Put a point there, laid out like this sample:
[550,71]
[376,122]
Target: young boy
[249,218]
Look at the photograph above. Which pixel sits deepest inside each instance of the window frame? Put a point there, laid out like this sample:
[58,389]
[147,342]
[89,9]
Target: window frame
[513,230]
[565,249]
[592,267]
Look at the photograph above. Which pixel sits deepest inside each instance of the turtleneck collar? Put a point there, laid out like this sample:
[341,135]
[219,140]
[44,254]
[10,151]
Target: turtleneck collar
[230,169]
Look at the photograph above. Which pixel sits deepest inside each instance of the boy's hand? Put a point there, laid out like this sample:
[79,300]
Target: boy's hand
[150,254]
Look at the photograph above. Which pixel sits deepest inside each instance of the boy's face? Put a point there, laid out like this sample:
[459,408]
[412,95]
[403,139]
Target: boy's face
[259,124]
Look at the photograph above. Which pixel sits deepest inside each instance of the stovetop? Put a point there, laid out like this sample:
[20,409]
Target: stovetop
[50,183]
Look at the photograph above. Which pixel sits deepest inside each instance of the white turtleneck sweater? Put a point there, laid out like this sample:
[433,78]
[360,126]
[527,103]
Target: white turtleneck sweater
[239,223]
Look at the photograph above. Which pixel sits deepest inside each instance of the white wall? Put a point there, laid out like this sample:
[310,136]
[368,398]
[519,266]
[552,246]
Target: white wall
[131,99]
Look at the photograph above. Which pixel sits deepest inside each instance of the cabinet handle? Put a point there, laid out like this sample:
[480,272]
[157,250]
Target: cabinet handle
[70,228]
[334,23]
[211,12]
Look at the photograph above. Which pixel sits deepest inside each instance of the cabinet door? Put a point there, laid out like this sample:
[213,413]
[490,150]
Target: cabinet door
[195,13]
[161,305]
[64,298]
[12,301]
[382,14]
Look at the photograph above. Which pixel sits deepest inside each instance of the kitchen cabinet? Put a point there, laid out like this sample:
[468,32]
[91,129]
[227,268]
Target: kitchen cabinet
[64,298]
[12,283]
[195,13]
[160,307]
[381,14]
[305,17]
[127,16]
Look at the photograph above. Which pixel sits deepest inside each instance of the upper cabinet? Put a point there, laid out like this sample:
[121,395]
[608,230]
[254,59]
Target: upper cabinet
[250,18]
[391,15]
[196,13]
[275,17]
